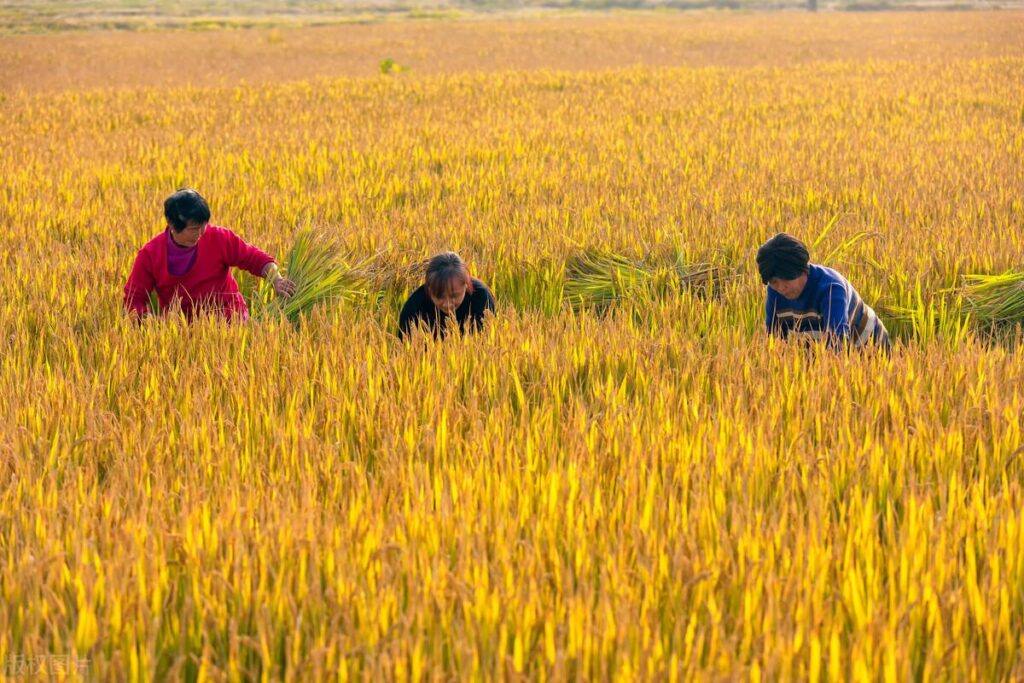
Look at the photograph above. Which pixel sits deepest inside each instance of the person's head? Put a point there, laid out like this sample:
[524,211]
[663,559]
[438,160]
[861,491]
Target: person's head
[448,281]
[783,263]
[187,215]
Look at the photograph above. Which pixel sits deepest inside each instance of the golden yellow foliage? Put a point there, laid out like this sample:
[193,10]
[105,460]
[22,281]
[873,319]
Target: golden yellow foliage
[657,493]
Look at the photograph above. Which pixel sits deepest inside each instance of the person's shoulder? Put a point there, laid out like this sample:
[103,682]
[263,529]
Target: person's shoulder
[483,297]
[825,276]
[415,305]
[823,272]
[481,289]
[830,283]
[222,239]
[219,231]
[157,242]
[417,297]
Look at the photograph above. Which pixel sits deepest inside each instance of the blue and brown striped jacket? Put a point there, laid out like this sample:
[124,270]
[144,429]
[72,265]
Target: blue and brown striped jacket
[829,308]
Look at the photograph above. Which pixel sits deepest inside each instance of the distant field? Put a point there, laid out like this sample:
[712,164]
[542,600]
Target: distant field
[42,16]
[584,43]
[652,491]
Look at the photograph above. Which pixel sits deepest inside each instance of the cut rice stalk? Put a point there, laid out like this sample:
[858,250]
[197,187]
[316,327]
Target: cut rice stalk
[322,275]
[996,300]
[596,280]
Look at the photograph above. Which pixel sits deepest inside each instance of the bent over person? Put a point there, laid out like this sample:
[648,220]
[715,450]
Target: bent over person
[448,297]
[190,263]
[813,301]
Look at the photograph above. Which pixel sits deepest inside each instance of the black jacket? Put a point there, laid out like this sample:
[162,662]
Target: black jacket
[419,309]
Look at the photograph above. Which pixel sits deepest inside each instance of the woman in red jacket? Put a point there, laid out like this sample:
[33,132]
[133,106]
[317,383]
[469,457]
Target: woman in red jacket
[190,264]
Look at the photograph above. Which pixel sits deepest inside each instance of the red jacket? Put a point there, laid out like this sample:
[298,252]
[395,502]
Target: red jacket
[208,284]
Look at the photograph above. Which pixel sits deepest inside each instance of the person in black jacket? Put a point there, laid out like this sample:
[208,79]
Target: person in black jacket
[448,296]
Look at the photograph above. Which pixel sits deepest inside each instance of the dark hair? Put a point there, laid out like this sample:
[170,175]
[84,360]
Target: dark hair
[784,257]
[183,206]
[442,270]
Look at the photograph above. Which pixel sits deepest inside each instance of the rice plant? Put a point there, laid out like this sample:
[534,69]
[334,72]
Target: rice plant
[661,493]
[323,277]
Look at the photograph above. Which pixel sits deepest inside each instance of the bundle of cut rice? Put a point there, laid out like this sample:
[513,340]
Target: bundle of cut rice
[596,280]
[995,300]
[323,275]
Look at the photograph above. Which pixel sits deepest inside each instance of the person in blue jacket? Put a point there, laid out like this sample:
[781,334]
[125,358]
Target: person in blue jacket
[813,301]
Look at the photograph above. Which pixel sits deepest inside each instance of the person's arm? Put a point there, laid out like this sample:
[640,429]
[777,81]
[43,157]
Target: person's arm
[241,254]
[407,318]
[483,302]
[835,322]
[140,283]
[770,301]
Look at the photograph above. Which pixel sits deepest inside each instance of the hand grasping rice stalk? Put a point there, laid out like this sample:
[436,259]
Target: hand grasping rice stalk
[323,276]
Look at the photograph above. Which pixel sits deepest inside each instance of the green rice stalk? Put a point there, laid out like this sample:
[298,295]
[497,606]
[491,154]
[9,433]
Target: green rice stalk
[840,251]
[323,276]
[154,303]
[995,300]
[832,222]
[929,317]
[843,248]
[595,280]
[702,278]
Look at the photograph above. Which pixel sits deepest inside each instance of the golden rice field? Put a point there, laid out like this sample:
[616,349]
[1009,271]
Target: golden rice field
[656,493]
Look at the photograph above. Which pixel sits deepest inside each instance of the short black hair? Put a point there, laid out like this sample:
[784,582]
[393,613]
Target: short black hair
[784,257]
[186,205]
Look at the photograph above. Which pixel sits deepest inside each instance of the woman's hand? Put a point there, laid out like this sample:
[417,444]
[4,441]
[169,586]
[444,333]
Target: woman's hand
[283,287]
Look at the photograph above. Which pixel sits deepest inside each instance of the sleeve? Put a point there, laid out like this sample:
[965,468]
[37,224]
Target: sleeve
[241,254]
[769,310]
[406,318]
[834,314]
[483,302]
[140,283]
